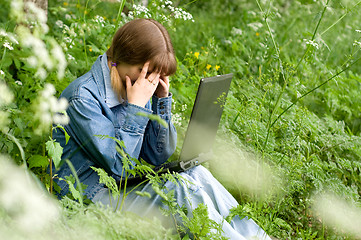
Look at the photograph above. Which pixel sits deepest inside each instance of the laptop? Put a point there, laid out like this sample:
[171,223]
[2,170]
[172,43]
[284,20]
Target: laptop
[203,124]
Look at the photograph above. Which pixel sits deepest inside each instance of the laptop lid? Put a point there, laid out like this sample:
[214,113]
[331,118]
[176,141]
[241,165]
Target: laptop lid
[206,115]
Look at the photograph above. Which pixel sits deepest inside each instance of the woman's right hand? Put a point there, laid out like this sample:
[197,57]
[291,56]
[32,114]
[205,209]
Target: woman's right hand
[143,88]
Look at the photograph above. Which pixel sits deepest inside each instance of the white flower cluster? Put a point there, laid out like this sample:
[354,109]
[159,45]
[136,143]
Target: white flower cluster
[8,45]
[36,16]
[42,58]
[49,110]
[26,207]
[255,25]
[312,43]
[357,30]
[6,97]
[236,31]
[177,119]
[357,43]
[100,20]
[69,34]
[140,10]
[180,13]
[8,39]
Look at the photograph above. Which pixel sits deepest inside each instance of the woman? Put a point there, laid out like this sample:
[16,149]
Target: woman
[107,100]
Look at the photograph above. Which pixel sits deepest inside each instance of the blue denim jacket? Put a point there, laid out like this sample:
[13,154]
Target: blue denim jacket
[95,110]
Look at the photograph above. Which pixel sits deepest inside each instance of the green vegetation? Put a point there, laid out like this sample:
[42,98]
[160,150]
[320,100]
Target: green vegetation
[289,142]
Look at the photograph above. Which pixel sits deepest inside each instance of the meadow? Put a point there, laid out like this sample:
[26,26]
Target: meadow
[288,146]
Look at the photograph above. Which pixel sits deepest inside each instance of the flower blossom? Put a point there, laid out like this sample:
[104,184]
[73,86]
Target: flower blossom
[312,43]
[8,46]
[50,110]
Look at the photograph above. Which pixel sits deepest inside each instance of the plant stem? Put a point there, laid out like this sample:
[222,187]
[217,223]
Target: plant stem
[286,80]
[51,165]
[338,20]
[121,7]
[338,73]
[84,42]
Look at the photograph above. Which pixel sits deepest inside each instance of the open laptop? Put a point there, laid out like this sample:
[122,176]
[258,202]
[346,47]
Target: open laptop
[203,124]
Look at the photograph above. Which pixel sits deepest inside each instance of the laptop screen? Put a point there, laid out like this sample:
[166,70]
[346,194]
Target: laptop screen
[205,117]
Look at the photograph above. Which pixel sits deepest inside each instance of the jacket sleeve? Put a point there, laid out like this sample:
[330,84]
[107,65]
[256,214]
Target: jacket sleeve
[87,120]
[159,141]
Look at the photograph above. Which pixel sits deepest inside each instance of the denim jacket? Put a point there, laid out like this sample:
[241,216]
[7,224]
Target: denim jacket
[95,110]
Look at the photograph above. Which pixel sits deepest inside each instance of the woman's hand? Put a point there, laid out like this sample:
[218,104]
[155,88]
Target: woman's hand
[143,88]
[163,87]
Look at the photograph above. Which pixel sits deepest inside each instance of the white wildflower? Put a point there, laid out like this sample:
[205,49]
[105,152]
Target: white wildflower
[236,31]
[357,44]
[255,26]
[184,107]
[48,91]
[141,10]
[18,83]
[100,20]
[357,30]
[59,56]
[228,42]
[41,73]
[252,13]
[49,110]
[2,72]
[3,33]
[8,46]
[6,97]
[32,60]
[312,43]
[12,38]
[180,13]
[70,57]
[17,9]
[37,14]
[177,119]
[59,23]
[27,207]
[68,17]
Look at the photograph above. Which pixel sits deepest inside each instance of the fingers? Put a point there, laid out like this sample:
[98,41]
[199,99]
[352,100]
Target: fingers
[154,78]
[166,80]
[128,82]
[143,73]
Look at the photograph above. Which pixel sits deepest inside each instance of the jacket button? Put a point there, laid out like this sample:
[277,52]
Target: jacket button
[162,112]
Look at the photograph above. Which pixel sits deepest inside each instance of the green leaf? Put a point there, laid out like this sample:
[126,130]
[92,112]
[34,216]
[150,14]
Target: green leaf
[109,181]
[143,194]
[38,161]
[67,137]
[76,194]
[54,151]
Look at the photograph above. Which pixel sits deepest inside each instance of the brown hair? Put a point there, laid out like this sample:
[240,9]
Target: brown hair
[137,42]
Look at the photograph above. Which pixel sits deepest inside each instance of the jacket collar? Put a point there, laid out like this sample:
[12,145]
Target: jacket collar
[101,73]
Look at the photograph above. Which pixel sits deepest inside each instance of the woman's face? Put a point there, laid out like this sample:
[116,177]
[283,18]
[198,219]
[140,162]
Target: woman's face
[132,71]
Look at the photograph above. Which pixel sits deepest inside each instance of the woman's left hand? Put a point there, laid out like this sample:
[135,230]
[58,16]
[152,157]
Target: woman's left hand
[163,87]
